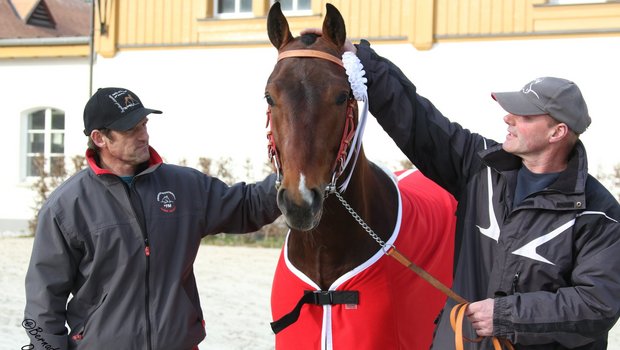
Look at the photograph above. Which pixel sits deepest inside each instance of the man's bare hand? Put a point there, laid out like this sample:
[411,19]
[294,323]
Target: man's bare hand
[480,314]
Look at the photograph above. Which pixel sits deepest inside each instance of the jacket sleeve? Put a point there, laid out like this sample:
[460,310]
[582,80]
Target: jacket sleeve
[48,284]
[576,315]
[442,150]
[241,207]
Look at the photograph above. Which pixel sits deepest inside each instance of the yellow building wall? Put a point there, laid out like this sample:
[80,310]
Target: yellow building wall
[162,24]
[165,23]
[510,18]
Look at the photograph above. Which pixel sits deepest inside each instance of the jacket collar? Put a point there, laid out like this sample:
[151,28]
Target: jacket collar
[91,158]
[571,180]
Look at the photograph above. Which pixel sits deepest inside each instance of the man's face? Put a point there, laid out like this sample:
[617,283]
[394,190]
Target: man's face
[528,136]
[129,147]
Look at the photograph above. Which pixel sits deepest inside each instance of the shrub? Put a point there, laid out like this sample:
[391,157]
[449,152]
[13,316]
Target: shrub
[47,182]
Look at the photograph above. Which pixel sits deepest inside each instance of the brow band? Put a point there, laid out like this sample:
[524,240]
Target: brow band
[310,53]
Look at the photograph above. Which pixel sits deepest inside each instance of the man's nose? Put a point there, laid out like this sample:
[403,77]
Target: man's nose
[143,133]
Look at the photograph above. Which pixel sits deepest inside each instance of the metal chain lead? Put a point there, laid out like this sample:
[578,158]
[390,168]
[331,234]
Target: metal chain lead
[387,248]
[360,220]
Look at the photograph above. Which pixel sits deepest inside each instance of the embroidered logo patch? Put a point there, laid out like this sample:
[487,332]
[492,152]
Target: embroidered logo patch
[167,201]
[124,100]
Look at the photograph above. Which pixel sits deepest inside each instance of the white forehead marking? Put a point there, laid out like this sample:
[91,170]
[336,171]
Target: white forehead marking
[306,194]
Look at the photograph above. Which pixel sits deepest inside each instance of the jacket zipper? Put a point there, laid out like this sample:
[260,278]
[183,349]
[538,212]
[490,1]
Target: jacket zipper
[136,204]
[515,281]
[147,253]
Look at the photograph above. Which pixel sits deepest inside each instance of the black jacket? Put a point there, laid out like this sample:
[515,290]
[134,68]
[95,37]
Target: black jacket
[552,263]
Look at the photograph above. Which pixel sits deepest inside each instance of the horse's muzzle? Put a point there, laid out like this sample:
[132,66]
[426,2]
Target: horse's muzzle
[301,214]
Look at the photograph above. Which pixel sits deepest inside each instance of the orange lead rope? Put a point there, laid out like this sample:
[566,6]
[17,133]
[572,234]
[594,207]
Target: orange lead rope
[456,321]
[457,315]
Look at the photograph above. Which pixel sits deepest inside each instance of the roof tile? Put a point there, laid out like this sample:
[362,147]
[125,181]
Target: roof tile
[72,18]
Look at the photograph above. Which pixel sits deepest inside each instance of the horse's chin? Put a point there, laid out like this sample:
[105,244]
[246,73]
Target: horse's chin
[301,226]
[301,220]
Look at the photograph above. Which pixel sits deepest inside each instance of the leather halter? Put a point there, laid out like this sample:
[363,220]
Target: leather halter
[347,135]
[310,53]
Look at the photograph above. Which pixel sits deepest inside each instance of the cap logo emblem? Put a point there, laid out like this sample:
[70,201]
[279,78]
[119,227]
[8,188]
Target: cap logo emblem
[123,100]
[529,89]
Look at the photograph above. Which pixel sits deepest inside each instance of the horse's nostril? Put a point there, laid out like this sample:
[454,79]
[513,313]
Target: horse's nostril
[281,198]
[317,199]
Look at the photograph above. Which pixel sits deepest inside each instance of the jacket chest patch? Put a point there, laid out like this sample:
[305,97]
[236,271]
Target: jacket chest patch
[167,201]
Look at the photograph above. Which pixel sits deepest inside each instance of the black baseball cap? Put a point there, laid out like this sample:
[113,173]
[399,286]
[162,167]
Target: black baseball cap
[114,108]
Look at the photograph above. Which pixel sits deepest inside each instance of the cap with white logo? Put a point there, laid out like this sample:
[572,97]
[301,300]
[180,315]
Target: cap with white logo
[560,98]
[114,108]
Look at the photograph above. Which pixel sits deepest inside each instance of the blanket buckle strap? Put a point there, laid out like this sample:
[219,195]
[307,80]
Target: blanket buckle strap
[316,297]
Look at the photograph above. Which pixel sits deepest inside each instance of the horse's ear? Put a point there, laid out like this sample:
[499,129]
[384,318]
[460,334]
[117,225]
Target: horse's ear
[333,26]
[277,27]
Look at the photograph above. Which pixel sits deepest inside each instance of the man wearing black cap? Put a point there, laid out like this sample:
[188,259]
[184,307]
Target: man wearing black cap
[537,246]
[121,237]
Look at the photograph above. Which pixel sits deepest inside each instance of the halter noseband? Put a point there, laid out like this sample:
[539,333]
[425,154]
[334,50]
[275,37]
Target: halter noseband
[347,136]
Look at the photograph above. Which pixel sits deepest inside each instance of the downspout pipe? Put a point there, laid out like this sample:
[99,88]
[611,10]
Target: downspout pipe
[92,50]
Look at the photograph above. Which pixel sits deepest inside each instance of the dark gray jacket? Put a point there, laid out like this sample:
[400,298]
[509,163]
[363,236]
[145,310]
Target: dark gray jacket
[551,263]
[125,254]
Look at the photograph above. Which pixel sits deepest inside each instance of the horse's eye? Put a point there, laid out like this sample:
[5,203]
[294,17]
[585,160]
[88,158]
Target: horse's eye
[269,99]
[342,98]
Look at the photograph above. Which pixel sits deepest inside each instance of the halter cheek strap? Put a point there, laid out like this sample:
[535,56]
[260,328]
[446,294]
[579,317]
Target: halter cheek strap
[347,136]
[272,150]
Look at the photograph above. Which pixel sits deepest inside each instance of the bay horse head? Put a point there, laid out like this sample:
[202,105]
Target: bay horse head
[311,113]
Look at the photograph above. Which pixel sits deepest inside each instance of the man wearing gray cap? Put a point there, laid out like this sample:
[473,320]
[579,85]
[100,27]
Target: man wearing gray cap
[121,237]
[537,246]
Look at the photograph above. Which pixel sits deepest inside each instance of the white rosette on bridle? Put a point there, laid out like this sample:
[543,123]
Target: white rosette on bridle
[355,72]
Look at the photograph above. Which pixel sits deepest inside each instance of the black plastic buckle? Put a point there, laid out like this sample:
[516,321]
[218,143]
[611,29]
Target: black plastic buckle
[332,297]
[323,297]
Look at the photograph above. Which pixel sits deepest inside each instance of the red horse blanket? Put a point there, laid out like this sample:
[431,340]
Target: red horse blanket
[396,308]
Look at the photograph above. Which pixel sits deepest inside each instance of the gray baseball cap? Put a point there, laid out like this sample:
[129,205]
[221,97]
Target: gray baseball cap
[560,98]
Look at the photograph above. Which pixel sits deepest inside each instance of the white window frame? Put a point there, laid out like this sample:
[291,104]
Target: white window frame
[47,132]
[236,14]
[575,2]
[296,11]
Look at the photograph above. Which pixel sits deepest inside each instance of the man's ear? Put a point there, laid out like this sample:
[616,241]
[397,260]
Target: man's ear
[560,132]
[98,138]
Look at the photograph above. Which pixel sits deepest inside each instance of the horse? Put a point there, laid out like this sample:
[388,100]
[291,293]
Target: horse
[334,286]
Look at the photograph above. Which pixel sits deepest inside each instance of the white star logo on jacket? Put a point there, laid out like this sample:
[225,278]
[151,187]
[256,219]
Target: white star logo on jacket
[493,230]
[529,250]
